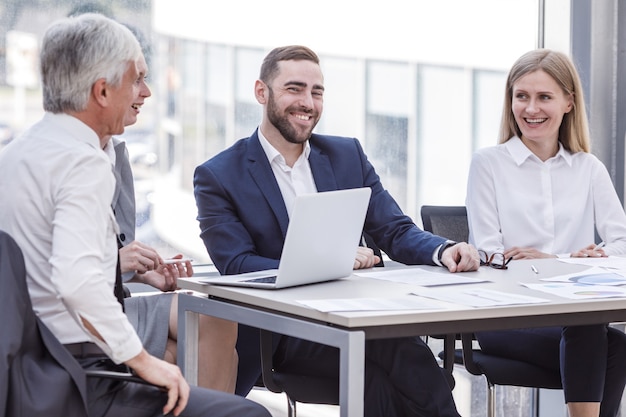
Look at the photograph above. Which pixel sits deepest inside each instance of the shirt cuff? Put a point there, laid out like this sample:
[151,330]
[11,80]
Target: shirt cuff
[131,347]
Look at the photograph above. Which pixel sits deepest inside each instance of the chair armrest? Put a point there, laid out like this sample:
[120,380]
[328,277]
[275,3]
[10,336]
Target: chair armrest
[121,376]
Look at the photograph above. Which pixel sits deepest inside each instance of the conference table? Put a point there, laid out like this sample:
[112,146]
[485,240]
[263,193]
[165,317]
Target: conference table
[283,311]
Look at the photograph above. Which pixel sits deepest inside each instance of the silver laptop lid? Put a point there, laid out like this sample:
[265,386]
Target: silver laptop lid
[323,236]
[320,245]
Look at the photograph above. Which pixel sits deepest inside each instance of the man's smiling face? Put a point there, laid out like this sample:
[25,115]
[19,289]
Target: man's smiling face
[296,99]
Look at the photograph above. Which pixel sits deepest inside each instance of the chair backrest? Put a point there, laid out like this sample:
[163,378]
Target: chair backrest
[446,221]
[38,377]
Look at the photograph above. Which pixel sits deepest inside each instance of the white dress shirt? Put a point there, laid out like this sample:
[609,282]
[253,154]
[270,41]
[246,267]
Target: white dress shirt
[56,186]
[515,199]
[292,181]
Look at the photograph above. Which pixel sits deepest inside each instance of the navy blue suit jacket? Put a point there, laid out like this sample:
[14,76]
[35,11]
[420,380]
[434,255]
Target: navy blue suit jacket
[243,218]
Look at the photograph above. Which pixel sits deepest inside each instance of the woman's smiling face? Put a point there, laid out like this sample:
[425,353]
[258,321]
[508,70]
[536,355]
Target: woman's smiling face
[538,106]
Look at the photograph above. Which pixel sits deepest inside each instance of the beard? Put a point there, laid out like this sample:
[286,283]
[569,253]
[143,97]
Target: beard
[282,124]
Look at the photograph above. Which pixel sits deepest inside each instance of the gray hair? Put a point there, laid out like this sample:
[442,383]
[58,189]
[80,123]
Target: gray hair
[78,51]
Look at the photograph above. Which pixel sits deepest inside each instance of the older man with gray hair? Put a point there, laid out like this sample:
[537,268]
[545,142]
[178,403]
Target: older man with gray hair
[59,212]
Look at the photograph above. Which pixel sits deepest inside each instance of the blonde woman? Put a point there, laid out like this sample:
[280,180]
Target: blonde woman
[540,193]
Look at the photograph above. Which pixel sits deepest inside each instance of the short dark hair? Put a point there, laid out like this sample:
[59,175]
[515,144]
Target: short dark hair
[269,68]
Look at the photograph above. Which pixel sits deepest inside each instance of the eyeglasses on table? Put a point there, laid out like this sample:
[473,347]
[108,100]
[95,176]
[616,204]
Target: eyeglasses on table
[495,260]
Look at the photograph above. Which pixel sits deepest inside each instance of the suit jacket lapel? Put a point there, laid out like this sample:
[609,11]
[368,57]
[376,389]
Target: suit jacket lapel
[262,174]
[322,171]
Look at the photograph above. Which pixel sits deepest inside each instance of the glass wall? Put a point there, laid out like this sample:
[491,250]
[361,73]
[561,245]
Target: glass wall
[420,89]
[419,123]
[420,92]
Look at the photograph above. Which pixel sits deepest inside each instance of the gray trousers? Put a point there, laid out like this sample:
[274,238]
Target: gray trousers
[111,398]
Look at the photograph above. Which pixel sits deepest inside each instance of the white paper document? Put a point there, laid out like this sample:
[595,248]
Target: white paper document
[418,276]
[371,304]
[578,291]
[591,276]
[478,297]
[610,262]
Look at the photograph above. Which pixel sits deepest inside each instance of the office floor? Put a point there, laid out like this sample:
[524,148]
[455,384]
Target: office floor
[276,404]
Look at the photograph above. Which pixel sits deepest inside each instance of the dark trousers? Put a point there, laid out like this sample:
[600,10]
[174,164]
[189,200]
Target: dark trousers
[402,377]
[591,359]
[110,398]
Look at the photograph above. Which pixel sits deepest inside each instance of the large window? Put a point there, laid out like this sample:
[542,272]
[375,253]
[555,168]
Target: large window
[420,92]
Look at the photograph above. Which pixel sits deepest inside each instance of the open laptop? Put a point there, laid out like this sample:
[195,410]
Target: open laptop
[322,237]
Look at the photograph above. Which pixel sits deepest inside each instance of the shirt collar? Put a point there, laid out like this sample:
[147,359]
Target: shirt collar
[75,127]
[109,149]
[521,153]
[273,154]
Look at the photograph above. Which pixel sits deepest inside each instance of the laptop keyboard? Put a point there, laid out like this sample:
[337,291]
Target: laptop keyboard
[268,280]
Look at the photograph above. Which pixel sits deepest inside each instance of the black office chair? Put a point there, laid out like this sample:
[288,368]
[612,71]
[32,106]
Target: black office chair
[503,371]
[31,357]
[451,222]
[297,387]
[446,221]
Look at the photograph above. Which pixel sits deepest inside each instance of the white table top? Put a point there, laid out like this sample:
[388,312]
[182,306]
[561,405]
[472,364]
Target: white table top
[454,318]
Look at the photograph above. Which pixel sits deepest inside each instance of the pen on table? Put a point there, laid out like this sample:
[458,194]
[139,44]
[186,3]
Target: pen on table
[599,246]
[534,269]
[176,260]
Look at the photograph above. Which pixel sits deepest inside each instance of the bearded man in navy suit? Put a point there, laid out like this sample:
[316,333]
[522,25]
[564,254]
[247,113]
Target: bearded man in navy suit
[244,196]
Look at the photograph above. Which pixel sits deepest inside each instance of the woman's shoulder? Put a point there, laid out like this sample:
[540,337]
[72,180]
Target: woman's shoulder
[588,162]
[586,158]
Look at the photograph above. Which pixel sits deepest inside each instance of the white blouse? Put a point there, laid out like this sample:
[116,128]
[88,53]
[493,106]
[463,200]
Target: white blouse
[515,199]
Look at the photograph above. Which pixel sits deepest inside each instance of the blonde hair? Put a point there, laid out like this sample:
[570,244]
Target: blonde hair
[574,130]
